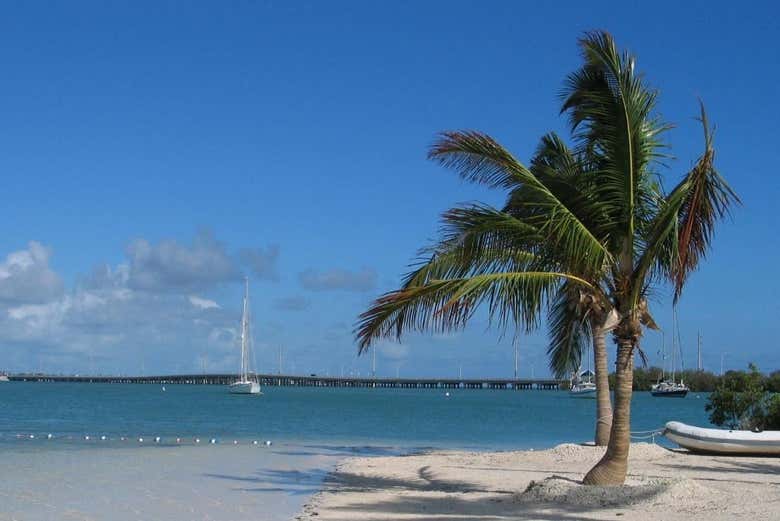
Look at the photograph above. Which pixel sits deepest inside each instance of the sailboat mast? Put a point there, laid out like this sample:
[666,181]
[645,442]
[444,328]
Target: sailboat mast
[674,350]
[698,353]
[244,332]
[663,356]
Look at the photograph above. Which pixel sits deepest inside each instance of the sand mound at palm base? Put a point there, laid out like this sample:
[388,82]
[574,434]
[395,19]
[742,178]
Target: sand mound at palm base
[560,490]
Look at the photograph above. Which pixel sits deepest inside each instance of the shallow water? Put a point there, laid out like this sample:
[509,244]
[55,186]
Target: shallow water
[121,478]
[479,419]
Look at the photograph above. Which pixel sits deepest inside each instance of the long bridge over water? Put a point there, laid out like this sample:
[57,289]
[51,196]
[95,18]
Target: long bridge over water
[309,381]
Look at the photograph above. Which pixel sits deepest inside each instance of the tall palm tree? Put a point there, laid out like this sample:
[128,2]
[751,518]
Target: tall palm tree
[574,315]
[608,233]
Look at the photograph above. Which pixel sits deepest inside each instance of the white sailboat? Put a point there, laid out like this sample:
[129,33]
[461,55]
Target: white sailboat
[582,384]
[245,384]
[670,388]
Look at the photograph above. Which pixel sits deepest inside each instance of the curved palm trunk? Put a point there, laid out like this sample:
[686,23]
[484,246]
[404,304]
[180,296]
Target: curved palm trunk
[603,400]
[611,469]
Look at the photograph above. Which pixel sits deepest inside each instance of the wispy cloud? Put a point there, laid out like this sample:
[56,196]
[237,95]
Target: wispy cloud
[203,303]
[338,279]
[262,261]
[392,350]
[292,303]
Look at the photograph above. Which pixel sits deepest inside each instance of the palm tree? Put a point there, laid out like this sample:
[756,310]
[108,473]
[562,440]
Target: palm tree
[574,314]
[602,232]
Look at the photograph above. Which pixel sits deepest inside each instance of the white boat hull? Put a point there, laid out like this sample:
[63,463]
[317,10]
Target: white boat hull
[583,390]
[585,393]
[4,378]
[719,441]
[245,388]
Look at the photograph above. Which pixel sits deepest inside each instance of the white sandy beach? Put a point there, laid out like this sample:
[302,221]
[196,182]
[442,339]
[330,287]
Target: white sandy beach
[458,486]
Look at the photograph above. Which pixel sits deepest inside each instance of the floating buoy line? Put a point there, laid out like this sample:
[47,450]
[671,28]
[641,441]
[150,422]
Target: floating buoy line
[172,441]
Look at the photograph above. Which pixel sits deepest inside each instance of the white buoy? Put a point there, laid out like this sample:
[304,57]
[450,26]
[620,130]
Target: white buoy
[235,442]
[140,440]
[103,438]
[122,438]
[447,394]
[197,440]
[178,440]
[32,436]
[267,443]
[254,442]
[212,441]
[49,436]
[157,439]
[86,438]
[163,388]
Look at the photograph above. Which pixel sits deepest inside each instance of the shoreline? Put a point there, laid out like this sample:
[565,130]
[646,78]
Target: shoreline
[544,484]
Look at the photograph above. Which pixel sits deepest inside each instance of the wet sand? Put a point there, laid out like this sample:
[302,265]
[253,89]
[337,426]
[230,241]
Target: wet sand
[214,482]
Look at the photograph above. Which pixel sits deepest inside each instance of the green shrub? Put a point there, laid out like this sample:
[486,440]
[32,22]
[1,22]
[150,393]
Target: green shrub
[742,402]
[772,419]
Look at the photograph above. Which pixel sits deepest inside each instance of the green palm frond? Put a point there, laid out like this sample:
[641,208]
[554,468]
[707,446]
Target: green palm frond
[569,330]
[476,226]
[459,262]
[478,157]
[442,305]
[611,113]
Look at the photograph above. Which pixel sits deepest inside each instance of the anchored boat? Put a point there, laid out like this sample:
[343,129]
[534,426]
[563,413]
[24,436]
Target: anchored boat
[719,441]
[247,382]
[671,388]
[583,390]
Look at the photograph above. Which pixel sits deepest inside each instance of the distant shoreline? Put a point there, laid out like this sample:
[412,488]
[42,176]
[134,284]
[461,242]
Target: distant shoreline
[276,380]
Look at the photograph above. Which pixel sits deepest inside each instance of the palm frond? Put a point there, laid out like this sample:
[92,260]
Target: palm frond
[442,305]
[478,157]
[709,200]
[682,230]
[569,330]
[611,113]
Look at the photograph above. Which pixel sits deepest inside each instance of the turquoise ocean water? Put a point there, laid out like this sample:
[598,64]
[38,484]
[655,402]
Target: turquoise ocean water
[405,419]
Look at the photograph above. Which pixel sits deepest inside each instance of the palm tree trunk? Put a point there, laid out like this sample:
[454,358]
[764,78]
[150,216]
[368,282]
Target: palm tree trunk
[603,400]
[611,469]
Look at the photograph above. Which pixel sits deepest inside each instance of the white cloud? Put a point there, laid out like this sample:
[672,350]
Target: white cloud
[25,276]
[392,350]
[121,326]
[203,303]
[170,266]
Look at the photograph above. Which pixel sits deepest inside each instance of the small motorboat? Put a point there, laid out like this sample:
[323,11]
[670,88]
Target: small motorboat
[720,441]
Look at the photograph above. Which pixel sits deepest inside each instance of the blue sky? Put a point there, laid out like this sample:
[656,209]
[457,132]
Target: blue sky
[153,152]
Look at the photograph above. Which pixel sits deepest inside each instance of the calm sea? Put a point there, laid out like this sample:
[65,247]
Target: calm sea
[405,419]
